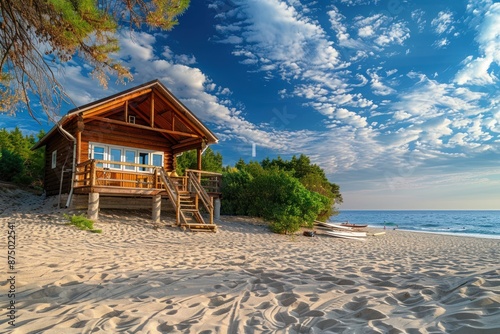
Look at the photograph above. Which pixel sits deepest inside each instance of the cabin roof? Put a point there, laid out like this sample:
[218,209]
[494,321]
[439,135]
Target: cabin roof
[207,135]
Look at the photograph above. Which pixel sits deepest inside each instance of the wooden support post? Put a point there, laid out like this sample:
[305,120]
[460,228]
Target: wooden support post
[92,174]
[156,208]
[198,157]
[93,208]
[217,208]
[78,146]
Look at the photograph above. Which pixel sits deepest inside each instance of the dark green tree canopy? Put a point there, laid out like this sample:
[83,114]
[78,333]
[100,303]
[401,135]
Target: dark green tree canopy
[18,163]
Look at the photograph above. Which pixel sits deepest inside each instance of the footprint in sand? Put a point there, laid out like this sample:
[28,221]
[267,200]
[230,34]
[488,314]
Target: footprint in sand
[287,299]
[370,314]
[356,304]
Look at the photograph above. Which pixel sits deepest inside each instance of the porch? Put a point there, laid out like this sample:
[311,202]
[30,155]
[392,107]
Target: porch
[197,190]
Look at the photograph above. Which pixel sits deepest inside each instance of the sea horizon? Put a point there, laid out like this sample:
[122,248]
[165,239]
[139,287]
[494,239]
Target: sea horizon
[339,210]
[473,223]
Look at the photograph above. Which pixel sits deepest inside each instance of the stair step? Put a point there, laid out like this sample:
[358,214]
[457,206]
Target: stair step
[203,229]
[190,217]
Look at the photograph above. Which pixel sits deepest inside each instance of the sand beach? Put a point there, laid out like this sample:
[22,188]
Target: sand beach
[136,277]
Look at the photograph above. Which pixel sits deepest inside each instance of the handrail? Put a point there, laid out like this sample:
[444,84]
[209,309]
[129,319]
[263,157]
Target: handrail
[212,184]
[205,198]
[171,189]
[203,172]
[131,164]
[85,163]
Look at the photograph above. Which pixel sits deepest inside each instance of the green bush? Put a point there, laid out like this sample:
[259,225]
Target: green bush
[82,223]
[281,199]
[235,200]
[288,194]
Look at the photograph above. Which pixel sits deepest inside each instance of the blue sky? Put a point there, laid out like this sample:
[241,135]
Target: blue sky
[397,101]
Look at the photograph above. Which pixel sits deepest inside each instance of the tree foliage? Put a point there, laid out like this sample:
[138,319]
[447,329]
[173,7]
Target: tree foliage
[38,35]
[211,161]
[312,177]
[17,162]
[289,194]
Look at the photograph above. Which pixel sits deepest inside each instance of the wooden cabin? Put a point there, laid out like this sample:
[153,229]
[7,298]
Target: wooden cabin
[120,152]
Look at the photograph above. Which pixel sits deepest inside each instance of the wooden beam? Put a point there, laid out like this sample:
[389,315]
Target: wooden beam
[186,143]
[183,118]
[152,113]
[113,121]
[126,112]
[109,107]
[113,103]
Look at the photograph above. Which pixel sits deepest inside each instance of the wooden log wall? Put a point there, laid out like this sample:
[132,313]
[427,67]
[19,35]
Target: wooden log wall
[52,177]
[121,135]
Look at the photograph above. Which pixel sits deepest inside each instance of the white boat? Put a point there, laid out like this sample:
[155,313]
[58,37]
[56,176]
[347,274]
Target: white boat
[347,235]
[333,226]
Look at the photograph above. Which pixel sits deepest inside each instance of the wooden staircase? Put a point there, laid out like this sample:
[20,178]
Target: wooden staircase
[185,202]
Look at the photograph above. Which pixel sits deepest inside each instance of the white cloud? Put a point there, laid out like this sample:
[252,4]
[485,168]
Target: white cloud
[396,33]
[378,87]
[458,139]
[441,43]
[366,31]
[443,23]
[277,32]
[401,115]
[337,24]
[418,16]
[476,71]
[381,30]
[429,98]
[350,118]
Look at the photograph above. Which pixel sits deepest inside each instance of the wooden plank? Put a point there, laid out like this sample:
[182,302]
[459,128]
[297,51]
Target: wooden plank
[114,190]
[126,112]
[190,125]
[113,103]
[112,121]
[152,112]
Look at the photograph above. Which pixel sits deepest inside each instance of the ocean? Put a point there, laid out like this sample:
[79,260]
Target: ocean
[467,223]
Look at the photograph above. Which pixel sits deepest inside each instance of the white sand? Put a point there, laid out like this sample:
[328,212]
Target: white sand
[134,278]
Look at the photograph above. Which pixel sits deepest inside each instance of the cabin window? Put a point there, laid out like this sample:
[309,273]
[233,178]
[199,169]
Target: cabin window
[143,160]
[130,157]
[115,154]
[98,153]
[131,119]
[157,159]
[54,159]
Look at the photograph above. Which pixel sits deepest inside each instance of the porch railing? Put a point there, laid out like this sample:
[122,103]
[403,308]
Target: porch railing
[95,172]
[100,173]
[211,182]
